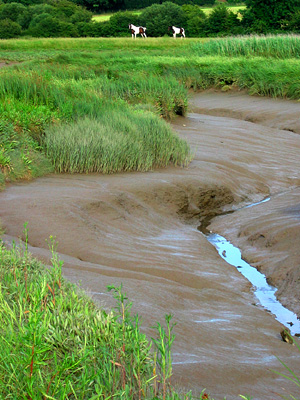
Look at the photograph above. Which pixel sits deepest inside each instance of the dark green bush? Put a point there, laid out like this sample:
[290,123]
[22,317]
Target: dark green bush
[196,21]
[118,23]
[265,16]
[9,29]
[12,11]
[158,17]
[222,20]
[294,23]
[44,25]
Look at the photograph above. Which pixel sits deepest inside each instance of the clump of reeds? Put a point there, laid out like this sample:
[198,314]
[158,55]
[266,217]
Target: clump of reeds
[119,141]
[20,155]
[270,46]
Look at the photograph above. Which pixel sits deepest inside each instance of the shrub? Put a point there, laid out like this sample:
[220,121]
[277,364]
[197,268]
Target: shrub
[87,29]
[118,23]
[81,15]
[44,25]
[263,16]
[158,17]
[9,29]
[120,141]
[12,11]
[221,20]
[294,23]
[196,20]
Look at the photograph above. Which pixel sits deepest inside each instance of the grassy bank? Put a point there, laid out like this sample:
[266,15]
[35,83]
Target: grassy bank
[56,344]
[99,104]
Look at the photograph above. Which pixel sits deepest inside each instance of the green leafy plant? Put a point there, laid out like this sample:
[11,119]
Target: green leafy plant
[163,355]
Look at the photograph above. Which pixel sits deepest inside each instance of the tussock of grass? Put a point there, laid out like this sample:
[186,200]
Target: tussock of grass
[20,155]
[119,141]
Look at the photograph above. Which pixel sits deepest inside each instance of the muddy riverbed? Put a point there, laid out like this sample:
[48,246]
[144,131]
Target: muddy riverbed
[141,229]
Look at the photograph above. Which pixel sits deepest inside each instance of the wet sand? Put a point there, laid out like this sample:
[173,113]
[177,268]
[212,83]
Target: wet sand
[141,229]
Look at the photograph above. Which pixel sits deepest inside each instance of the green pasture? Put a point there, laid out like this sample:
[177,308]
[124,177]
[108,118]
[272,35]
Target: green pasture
[235,9]
[106,17]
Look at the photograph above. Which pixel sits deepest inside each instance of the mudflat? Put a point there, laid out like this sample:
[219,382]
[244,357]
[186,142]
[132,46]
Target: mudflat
[140,229]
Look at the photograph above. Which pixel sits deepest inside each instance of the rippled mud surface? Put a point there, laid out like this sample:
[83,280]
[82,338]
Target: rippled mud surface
[141,229]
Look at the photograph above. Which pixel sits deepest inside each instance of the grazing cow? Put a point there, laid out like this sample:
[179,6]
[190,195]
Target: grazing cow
[177,31]
[137,30]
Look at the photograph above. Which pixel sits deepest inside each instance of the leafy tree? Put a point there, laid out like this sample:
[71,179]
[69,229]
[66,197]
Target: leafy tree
[12,11]
[294,23]
[268,14]
[194,2]
[39,9]
[24,2]
[101,6]
[44,25]
[158,17]
[222,20]
[67,29]
[137,4]
[81,15]
[196,20]
[9,29]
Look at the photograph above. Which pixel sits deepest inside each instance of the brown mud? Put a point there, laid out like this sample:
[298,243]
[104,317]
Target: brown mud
[141,229]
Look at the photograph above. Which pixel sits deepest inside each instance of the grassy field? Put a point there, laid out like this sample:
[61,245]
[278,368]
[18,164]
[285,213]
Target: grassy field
[207,11]
[234,9]
[87,105]
[106,17]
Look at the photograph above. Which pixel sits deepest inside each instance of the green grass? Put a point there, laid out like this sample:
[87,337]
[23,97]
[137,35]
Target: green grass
[235,9]
[279,46]
[106,17]
[76,88]
[56,344]
[120,141]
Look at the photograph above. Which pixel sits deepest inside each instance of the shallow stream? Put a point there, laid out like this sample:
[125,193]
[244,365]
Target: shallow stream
[264,292]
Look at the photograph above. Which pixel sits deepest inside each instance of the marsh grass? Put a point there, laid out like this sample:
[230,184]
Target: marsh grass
[120,141]
[20,155]
[73,84]
[56,344]
[279,46]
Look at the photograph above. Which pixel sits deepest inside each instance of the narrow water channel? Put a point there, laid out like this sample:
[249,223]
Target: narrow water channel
[263,291]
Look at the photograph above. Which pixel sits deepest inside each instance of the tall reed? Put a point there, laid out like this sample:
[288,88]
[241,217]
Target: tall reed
[279,46]
[119,141]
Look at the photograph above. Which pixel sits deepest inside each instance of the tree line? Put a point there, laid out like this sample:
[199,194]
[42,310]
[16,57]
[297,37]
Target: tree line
[64,18]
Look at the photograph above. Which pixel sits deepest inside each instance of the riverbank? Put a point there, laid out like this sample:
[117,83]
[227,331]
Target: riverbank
[141,229]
